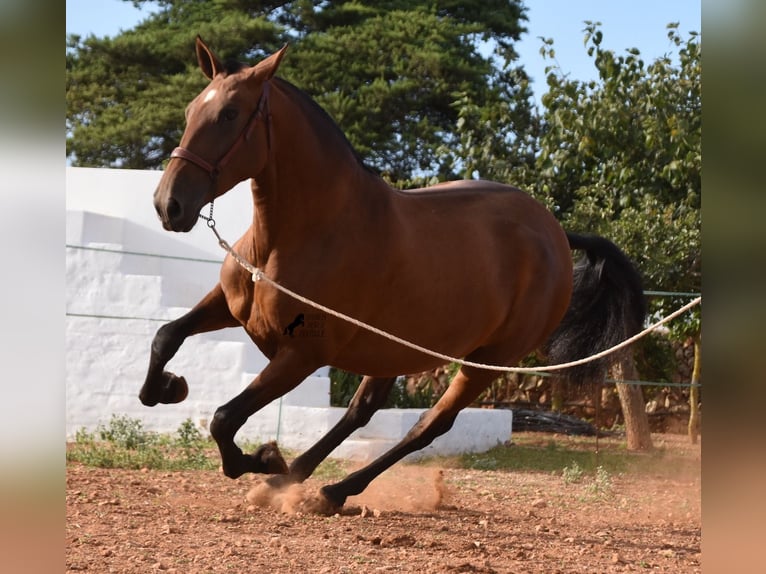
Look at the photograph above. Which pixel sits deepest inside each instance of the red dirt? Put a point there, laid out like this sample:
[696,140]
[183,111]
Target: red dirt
[411,519]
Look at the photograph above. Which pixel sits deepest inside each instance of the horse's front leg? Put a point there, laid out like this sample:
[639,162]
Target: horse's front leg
[285,372]
[210,314]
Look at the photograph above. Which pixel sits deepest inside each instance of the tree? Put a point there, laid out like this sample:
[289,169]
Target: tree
[621,157]
[126,95]
[388,72]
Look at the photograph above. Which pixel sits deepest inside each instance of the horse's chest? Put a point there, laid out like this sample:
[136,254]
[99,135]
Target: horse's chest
[243,300]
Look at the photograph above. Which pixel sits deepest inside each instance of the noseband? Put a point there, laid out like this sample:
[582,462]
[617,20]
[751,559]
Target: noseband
[261,111]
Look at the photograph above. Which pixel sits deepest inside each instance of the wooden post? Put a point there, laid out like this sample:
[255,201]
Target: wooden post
[694,394]
[557,394]
[633,409]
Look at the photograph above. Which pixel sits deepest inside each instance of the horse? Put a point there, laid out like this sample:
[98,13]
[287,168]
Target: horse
[473,269]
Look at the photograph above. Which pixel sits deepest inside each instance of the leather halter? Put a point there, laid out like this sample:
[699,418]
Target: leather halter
[261,111]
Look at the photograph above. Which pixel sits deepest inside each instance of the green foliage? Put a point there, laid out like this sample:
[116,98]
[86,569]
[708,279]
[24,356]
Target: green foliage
[123,443]
[401,398]
[388,72]
[572,474]
[577,461]
[496,140]
[621,157]
[655,359]
[550,458]
[601,486]
[343,385]
[126,433]
[126,94]
[330,470]
[598,487]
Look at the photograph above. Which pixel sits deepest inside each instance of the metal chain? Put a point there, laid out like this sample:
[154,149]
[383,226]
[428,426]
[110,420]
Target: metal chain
[209,219]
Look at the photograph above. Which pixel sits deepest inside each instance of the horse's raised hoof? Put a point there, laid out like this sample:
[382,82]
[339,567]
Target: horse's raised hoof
[174,389]
[268,460]
[169,389]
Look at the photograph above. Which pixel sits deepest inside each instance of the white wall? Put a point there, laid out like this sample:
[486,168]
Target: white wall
[117,301]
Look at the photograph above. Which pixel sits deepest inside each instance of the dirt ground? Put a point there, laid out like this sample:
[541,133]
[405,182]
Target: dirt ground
[413,518]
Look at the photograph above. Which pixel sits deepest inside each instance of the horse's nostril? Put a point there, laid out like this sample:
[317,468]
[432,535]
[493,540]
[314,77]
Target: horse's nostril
[174,209]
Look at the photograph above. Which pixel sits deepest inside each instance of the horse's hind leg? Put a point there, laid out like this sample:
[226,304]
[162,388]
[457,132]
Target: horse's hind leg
[210,314]
[464,388]
[369,397]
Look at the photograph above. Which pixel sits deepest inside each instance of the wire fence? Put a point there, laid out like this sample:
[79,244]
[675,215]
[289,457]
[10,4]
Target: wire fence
[648,293]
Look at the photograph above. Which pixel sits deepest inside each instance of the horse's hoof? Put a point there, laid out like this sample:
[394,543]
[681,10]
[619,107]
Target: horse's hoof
[269,460]
[147,400]
[174,389]
[332,498]
[320,504]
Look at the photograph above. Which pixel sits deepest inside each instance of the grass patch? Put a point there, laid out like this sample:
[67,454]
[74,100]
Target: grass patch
[596,487]
[330,470]
[124,443]
[574,458]
[551,457]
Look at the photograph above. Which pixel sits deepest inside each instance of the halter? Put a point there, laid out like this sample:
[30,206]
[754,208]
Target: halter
[262,110]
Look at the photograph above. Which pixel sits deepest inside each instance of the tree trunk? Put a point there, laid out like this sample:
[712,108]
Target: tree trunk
[557,394]
[633,408]
[694,394]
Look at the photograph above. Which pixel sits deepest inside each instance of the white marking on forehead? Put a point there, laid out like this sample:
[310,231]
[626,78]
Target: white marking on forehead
[209,96]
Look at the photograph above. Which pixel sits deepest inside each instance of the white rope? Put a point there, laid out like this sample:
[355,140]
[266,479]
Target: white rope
[259,275]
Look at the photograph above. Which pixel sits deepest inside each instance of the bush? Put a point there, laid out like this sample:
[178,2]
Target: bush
[124,443]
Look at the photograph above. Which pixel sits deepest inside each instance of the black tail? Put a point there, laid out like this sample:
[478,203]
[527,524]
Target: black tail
[607,307]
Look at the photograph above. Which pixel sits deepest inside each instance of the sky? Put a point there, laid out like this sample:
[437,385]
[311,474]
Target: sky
[625,24]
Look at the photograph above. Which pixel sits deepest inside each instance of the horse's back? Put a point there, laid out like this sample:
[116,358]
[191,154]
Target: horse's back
[486,255]
[484,215]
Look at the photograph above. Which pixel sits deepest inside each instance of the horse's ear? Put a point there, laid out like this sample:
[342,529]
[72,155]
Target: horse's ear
[268,66]
[208,61]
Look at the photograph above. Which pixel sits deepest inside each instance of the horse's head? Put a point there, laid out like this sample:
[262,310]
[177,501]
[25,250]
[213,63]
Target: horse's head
[225,140]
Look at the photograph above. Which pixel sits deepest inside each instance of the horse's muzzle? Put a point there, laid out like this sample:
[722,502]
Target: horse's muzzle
[173,215]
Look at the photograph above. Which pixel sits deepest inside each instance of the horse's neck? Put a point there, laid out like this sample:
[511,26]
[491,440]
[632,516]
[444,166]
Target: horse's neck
[312,184]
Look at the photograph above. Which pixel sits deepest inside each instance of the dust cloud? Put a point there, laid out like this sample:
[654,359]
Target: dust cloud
[402,488]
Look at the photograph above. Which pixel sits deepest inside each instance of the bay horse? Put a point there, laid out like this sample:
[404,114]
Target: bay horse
[472,269]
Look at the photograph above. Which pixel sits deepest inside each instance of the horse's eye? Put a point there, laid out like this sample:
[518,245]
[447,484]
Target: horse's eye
[228,114]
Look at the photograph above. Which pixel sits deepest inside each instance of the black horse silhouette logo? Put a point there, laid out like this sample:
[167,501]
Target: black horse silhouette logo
[297,322]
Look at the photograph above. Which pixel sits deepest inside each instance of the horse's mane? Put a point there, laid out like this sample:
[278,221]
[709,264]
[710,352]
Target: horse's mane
[313,106]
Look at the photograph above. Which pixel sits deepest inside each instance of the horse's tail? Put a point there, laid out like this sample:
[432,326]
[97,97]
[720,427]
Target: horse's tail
[607,307]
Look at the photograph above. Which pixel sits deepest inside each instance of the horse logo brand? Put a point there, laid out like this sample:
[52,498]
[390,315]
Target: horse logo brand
[297,322]
[306,325]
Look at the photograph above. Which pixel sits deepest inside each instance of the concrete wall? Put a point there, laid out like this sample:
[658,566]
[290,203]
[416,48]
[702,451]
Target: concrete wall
[119,292]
